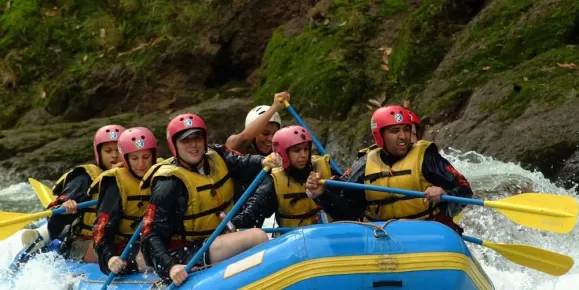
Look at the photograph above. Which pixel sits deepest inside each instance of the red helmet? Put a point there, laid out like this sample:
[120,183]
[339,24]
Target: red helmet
[181,123]
[387,116]
[109,133]
[287,137]
[414,119]
[135,139]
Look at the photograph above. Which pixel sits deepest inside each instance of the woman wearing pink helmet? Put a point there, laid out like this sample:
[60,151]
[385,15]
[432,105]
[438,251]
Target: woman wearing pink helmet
[398,163]
[121,203]
[187,197]
[284,192]
[71,189]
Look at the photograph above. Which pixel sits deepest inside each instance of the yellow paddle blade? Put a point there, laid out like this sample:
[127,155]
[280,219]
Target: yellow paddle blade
[541,260]
[458,217]
[549,212]
[43,192]
[11,222]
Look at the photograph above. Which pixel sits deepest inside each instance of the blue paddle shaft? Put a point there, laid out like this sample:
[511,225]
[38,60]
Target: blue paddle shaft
[223,223]
[62,210]
[472,240]
[316,142]
[124,254]
[418,194]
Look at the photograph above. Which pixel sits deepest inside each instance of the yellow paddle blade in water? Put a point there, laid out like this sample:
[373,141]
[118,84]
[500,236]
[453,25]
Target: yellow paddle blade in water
[43,192]
[541,260]
[554,213]
[458,217]
[12,222]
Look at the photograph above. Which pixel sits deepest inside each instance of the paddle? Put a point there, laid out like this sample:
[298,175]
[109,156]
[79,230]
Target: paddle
[43,192]
[224,222]
[539,259]
[16,221]
[316,142]
[549,212]
[124,254]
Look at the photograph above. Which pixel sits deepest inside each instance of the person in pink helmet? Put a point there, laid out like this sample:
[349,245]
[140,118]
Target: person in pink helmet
[397,163]
[121,204]
[188,196]
[284,192]
[71,189]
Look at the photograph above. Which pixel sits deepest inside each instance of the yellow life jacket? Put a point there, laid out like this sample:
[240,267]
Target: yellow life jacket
[295,208]
[133,201]
[208,195]
[87,215]
[405,174]
[365,151]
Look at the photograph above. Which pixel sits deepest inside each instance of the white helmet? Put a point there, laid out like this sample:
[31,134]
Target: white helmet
[257,111]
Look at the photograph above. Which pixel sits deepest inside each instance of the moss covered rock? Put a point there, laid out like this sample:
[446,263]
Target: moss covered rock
[332,63]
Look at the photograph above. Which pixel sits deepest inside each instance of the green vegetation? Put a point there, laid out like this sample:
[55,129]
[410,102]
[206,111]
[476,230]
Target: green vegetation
[328,67]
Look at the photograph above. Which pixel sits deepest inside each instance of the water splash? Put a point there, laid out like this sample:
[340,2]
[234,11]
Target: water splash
[493,179]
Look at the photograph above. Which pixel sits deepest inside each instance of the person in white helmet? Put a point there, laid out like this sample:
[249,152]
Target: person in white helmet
[260,125]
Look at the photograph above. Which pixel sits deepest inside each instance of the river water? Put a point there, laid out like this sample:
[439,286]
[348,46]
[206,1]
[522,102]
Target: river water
[489,178]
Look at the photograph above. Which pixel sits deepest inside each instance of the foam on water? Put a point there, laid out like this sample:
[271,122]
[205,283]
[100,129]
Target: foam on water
[491,179]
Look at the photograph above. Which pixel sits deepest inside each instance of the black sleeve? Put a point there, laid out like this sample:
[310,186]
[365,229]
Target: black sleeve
[261,205]
[161,222]
[243,168]
[345,204]
[107,222]
[439,172]
[76,189]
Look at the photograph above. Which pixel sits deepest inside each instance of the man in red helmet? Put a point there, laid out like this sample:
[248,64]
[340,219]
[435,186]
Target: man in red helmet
[398,163]
[188,194]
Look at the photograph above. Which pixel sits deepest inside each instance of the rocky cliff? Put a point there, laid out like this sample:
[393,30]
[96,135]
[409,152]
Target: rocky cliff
[500,77]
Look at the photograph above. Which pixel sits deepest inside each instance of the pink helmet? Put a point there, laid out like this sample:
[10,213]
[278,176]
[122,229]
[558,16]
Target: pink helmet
[135,139]
[181,123]
[387,116]
[109,133]
[287,137]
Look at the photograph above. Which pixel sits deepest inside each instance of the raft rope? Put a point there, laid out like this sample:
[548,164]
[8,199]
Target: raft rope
[379,231]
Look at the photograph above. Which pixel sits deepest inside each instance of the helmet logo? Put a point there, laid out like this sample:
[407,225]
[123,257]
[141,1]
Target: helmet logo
[113,135]
[373,124]
[188,122]
[398,118]
[410,117]
[140,144]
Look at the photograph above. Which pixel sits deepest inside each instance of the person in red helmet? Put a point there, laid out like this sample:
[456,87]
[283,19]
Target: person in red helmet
[284,192]
[121,204]
[188,196]
[398,163]
[417,131]
[71,189]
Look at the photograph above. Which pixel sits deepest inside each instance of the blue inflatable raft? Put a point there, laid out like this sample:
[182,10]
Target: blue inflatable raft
[404,255]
